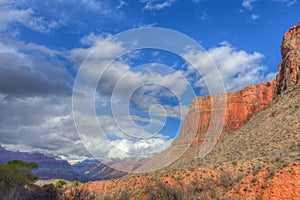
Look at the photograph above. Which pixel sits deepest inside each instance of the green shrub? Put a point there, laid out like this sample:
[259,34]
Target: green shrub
[17,173]
[60,183]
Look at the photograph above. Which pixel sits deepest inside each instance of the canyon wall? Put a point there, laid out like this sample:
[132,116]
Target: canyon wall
[240,107]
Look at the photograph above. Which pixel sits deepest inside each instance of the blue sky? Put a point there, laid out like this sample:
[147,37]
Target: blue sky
[43,44]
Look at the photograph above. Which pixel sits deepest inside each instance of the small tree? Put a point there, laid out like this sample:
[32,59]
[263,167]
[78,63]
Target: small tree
[15,175]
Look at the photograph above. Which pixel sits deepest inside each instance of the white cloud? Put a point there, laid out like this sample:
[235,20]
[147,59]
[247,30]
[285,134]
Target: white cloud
[4,49]
[157,4]
[122,3]
[287,2]
[20,46]
[38,124]
[119,76]
[110,50]
[248,4]
[26,76]
[35,101]
[237,67]
[10,15]
[128,148]
[146,120]
[92,39]
[254,16]
[42,16]
[46,124]
[121,84]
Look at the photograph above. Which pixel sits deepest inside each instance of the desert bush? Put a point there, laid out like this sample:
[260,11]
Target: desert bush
[79,193]
[164,191]
[59,183]
[75,183]
[226,180]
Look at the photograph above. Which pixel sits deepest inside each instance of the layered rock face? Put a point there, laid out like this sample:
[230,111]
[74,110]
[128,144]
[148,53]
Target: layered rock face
[289,68]
[239,107]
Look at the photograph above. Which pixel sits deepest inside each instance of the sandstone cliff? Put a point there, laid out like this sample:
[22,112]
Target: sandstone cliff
[289,67]
[240,107]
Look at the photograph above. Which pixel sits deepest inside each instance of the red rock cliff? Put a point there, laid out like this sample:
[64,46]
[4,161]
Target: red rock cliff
[289,67]
[240,107]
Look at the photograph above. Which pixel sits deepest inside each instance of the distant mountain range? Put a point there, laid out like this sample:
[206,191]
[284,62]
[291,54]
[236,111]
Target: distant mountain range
[55,168]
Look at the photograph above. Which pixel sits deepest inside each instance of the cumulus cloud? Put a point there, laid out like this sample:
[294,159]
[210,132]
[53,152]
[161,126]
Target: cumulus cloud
[144,85]
[42,124]
[128,148]
[237,67]
[35,101]
[21,75]
[136,95]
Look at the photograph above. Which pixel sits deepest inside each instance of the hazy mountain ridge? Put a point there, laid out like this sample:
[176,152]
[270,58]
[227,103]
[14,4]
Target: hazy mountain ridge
[49,167]
[55,168]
